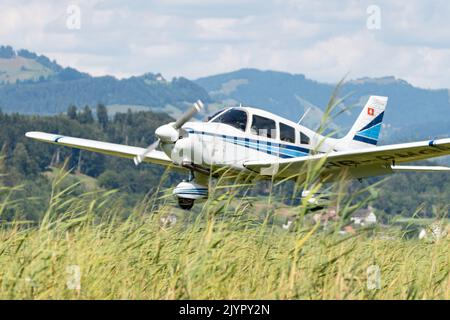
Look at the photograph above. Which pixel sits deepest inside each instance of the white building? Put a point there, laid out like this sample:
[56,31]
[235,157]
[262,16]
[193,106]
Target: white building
[363,217]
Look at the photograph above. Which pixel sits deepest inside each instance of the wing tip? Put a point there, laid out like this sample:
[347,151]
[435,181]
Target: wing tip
[32,134]
[42,136]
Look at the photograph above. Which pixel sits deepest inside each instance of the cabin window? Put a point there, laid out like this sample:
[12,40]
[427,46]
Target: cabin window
[262,126]
[233,117]
[287,133]
[304,139]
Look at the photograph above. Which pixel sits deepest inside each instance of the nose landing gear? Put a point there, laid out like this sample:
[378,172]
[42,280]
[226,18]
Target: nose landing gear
[188,192]
[185,203]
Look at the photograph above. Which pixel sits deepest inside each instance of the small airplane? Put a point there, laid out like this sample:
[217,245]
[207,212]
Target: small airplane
[256,143]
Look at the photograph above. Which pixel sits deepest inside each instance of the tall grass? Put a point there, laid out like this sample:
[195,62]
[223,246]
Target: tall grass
[223,251]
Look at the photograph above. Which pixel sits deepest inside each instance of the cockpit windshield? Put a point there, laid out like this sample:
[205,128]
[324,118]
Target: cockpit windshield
[233,117]
[214,115]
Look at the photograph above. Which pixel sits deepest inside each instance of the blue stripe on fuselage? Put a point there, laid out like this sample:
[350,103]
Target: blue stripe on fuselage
[278,149]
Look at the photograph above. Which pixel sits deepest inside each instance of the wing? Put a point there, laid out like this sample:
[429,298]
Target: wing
[370,158]
[113,149]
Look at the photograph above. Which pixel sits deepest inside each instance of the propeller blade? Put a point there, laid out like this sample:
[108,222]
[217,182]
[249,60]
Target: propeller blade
[188,114]
[170,135]
[140,157]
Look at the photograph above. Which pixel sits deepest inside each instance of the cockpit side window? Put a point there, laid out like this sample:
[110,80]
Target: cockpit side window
[233,117]
[262,126]
[287,133]
[304,139]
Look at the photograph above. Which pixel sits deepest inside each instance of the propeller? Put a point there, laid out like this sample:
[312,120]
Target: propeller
[140,157]
[185,117]
[169,133]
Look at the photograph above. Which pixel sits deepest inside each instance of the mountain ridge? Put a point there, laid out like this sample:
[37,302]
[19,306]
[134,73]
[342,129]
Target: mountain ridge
[50,88]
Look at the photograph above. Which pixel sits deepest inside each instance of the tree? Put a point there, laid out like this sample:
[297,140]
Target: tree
[3,169]
[72,112]
[22,161]
[102,115]
[86,116]
[110,179]
[129,117]
[7,52]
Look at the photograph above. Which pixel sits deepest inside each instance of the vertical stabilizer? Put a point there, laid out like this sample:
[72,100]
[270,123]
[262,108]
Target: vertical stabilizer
[366,130]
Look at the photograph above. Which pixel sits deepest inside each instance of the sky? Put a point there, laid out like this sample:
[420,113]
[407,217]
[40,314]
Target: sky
[324,40]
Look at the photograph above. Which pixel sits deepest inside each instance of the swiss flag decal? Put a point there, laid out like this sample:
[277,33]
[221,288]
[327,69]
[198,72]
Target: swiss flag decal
[371,111]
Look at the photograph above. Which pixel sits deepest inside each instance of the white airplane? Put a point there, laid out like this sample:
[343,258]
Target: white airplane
[257,143]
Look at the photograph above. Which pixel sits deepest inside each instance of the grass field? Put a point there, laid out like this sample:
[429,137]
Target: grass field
[85,249]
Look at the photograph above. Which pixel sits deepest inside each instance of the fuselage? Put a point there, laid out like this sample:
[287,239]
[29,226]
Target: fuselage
[240,134]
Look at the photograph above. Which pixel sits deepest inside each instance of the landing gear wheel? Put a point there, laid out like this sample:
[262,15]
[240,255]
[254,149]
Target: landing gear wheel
[185,204]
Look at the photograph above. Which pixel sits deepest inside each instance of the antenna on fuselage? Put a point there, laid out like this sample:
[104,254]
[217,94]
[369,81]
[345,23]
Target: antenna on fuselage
[304,115]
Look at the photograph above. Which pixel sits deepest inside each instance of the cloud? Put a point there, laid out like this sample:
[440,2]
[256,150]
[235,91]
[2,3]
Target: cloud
[322,39]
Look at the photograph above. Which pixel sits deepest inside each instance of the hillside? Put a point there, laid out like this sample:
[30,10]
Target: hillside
[35,85]
[291,94]
[23,66]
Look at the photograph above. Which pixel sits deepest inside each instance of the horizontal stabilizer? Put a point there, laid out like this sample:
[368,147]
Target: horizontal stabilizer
[419,168]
